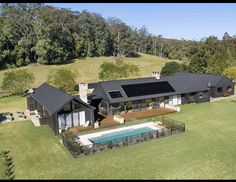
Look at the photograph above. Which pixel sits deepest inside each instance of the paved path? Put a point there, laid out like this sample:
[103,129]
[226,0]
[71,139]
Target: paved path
[222,98]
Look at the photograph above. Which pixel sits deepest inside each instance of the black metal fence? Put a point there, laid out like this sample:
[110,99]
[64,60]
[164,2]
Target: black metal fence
[170,127]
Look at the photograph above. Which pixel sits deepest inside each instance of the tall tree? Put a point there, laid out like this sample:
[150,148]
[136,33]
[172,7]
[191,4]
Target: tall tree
[170,68]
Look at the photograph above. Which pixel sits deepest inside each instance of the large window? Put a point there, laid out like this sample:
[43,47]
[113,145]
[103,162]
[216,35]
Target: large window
[220,89]
[229,88]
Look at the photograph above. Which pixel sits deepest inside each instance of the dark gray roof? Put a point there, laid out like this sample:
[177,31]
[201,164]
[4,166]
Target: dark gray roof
[52,98]
[181,83]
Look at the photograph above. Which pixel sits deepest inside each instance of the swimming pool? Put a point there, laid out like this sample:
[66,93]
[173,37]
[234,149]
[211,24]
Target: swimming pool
[120,134]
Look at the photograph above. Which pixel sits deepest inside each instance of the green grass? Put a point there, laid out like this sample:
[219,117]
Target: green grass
[205,151]
[87,69]
[13,104]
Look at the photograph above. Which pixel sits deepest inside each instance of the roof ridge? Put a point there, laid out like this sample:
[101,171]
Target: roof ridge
[125,79]
[45,83]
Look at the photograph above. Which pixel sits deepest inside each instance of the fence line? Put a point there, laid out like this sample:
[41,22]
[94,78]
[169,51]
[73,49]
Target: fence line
[171,127]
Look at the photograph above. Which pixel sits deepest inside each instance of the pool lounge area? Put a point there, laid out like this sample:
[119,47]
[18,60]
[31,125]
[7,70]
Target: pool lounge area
[118,133]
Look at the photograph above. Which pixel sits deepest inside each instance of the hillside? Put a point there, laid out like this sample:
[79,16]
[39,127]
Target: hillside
[87,69]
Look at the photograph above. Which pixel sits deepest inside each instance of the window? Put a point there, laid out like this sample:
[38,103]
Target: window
[115,94]
[67,107]
[229,88]
[201,95]
[219,89]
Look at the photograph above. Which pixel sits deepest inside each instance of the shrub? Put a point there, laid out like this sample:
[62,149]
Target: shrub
[8,162]
[74,147]
[17,81]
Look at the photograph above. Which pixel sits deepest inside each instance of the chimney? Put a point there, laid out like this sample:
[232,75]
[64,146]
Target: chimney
[83,89]
[156,74]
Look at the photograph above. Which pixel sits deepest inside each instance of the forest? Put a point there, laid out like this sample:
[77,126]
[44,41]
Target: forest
[38,33]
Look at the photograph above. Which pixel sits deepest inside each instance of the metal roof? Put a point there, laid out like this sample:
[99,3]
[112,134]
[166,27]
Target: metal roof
[52,98]
[181,83]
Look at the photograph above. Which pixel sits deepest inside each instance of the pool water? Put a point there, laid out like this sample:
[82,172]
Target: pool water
[120,135]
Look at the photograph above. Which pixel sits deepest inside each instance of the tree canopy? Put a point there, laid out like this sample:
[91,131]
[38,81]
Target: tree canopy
[38,33]
[63,79]
[170,68]
[117,70]
[17,81]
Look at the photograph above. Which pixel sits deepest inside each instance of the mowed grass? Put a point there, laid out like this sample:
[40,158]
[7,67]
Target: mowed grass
[205,151]
[87,69]
[13,104]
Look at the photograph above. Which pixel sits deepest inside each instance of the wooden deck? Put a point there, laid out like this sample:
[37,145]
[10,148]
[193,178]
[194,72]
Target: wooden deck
[109,122]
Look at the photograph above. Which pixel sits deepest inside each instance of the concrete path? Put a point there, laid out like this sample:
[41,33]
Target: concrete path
[35,120]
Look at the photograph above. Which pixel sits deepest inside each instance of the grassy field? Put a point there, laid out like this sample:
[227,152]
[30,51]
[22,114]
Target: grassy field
[205,151]
[13,104]
[87,69]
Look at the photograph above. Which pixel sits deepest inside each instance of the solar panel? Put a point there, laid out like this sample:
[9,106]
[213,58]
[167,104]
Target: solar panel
[141,89]
[115,94]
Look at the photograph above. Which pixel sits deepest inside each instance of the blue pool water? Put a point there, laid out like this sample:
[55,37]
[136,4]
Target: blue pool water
[120,135]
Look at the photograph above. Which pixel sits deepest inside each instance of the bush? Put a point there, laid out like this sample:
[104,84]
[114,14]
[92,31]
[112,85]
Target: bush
[17,81]
[117,70]
[8,162]
[170,68]
[63,79]
[68,140]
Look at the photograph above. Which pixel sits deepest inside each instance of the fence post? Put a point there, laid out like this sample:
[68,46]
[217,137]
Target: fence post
[157,134]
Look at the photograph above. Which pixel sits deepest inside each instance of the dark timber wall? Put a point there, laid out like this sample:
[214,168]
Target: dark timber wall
[51,120]
[222,85]
[195,97]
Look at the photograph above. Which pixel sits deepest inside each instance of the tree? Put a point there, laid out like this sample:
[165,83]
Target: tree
[230,72]
[17,81]
[170,68]
[198,62]
[63,79]
[218,62]
[117,70]
[123,38]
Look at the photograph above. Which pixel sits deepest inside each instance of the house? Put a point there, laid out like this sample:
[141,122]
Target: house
[58,109]
[116,96]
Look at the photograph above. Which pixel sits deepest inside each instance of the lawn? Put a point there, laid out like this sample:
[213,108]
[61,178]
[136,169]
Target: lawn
[205,151]
[13,104]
